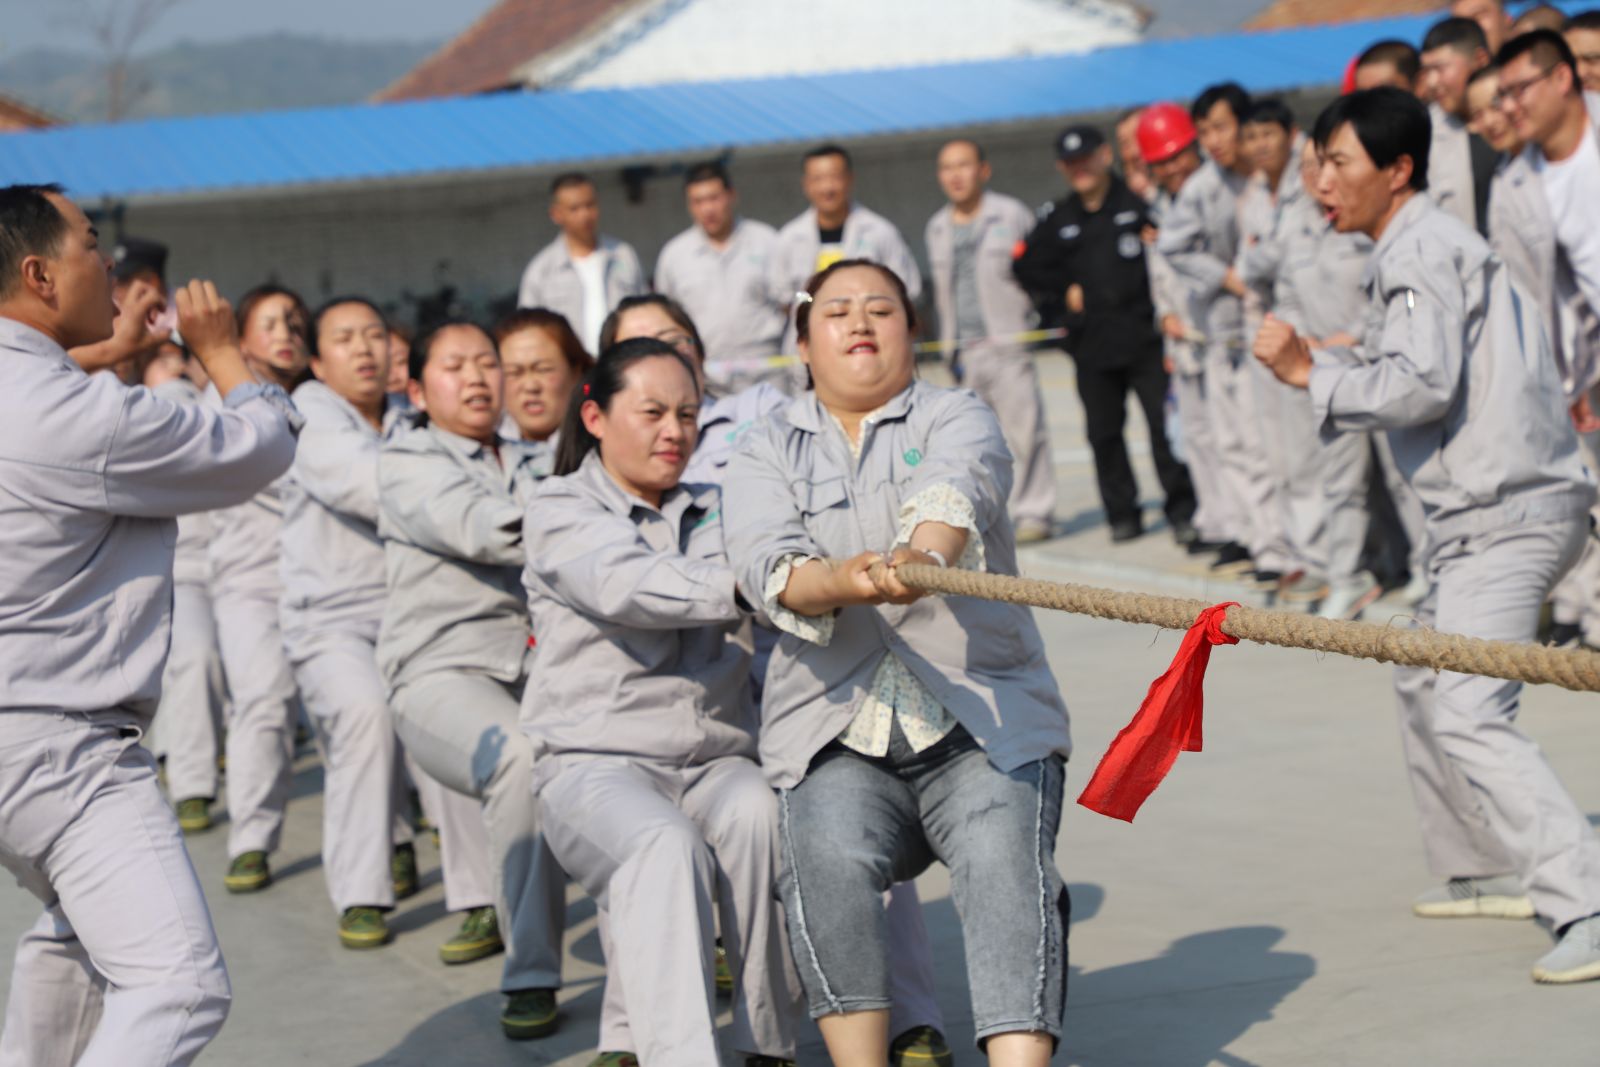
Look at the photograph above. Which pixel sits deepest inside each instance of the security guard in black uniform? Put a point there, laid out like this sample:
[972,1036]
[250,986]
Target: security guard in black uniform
[1084,267]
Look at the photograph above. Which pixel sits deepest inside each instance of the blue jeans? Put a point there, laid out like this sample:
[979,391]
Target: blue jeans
[855,825]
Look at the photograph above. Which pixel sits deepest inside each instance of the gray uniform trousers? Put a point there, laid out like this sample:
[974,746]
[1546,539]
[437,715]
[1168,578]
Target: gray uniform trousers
[464,861]
[1576,598]
[655,846]
[345,696]
[263,708]
[1008,381]
[1488,801]
[192,690]
[84,827]
[1349,467]
[1236,435]
[1216,518]
[461,728]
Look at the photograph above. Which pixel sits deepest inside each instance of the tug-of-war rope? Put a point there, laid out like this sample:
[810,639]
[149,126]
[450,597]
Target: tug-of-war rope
[1169,719]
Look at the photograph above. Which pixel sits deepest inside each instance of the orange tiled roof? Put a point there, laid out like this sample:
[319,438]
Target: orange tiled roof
[15,115]
[1283,13]
[483,57]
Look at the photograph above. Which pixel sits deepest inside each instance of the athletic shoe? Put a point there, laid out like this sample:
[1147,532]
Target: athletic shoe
[1204,548]
[1124,530]
[1576,957]
[194,815]
[403,869]
[1032,531]
[532,1013]
[478,937]
[1183,532]
[920,1046]
[615,1059]
[1271,579]
[724,976]
[1349,602]
[1413,592]
[1562,635]
[1233,559]
[248,873]
[1303,588]
[363,928]
[1475,898]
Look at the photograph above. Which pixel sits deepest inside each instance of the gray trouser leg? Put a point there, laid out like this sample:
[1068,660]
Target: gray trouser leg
[1213,518]
[1007,380]
[1347,469]
[1492,586]
[462,729]
[1406,504]
[84,827]
[1248,455]
[346,699]
[1235,438]
[191,696]
[260,743]
[1305,468]
[463,841]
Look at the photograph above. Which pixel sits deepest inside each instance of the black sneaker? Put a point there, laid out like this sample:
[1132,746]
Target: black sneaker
[1126,530]
[1233,559]
[1204,548]
[1183,532]
[1564,635]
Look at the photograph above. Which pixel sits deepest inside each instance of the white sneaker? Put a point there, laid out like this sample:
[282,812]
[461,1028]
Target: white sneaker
[1576,957]
[1412,593]
[1348,602]
[1475,898]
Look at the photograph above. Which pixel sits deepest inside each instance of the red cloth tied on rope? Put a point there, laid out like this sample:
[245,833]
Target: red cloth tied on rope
[1168,722]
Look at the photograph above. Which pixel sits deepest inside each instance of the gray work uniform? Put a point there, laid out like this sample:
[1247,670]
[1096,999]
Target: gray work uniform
[638,705]
[123,966]
[263,703]
[795,490]
[1200,240]
[333,596]
[1288,435]
[725,292]
[1001,372]
[1320,292]
[551,281]
[189,720]
[1460,377]
[1450,166]
[452,649]
[867,235]
[1215,518]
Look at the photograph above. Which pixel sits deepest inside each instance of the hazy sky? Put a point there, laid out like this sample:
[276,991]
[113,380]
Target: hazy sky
[26,24]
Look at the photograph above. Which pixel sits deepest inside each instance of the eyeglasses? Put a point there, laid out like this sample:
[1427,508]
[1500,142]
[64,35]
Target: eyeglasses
[1513,92]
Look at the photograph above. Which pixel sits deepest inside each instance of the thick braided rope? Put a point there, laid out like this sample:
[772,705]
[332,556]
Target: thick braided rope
[1405,646]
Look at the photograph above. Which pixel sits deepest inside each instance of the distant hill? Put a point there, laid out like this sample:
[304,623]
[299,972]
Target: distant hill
[250,74]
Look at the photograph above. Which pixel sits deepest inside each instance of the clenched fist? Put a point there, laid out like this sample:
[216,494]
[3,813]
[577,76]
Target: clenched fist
[1284,352]
[205,319]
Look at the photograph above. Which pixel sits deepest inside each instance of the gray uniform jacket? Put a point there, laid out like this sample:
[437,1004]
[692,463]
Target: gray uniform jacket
[1200,240]
[1450,166]
[723,423]
[450,516]
[1458,371]
[333,569]
[551,281]
[867,235]
[1169,294]
[245,548]
[1524,235]
[725,290]
[1003,221]
[1320,288]
[641,649]
[793,489]
[191,564]
[1264,214]
[92,476]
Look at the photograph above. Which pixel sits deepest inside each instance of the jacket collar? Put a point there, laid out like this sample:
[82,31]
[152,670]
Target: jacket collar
[675,502]
[20,337]
[806,413]
[1414,211]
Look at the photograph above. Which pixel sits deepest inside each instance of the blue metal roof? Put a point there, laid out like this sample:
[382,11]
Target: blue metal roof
[371,142]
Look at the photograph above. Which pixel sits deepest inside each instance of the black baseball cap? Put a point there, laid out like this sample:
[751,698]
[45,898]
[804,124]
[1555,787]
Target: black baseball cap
[133,256]
[1076,142]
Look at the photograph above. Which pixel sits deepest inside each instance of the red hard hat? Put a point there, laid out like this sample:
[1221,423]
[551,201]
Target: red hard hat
[1165,129]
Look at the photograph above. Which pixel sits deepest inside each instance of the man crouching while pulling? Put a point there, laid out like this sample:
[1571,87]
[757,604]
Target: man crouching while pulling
[123,966]
[1456,369]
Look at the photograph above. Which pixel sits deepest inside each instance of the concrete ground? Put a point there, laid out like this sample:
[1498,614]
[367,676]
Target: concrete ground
[1256,914]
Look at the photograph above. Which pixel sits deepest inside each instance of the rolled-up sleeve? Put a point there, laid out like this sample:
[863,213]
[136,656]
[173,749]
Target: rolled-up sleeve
[761,518]
[167,459]
[944,504]
[967,452]
[594,560]
[430,502]
[1414,375]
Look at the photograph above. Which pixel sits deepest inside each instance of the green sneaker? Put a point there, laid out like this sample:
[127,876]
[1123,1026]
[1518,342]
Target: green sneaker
[248,873]
[920,1046]
[478,937]
[724,976]
[530,1013]
[615,1059]
[363,928]
[194,815]
[403,869]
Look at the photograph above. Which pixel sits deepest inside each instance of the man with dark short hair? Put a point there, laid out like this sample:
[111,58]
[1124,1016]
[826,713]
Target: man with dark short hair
[122,967]
[834,227]
[1461,164]
[717,269]
[1491,17]
[582,273]
[1583,37]
[1506,495]
[1085,266]
[1390,62]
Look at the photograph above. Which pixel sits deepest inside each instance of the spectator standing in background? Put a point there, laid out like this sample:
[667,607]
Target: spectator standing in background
[1461,164]
[582,273]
